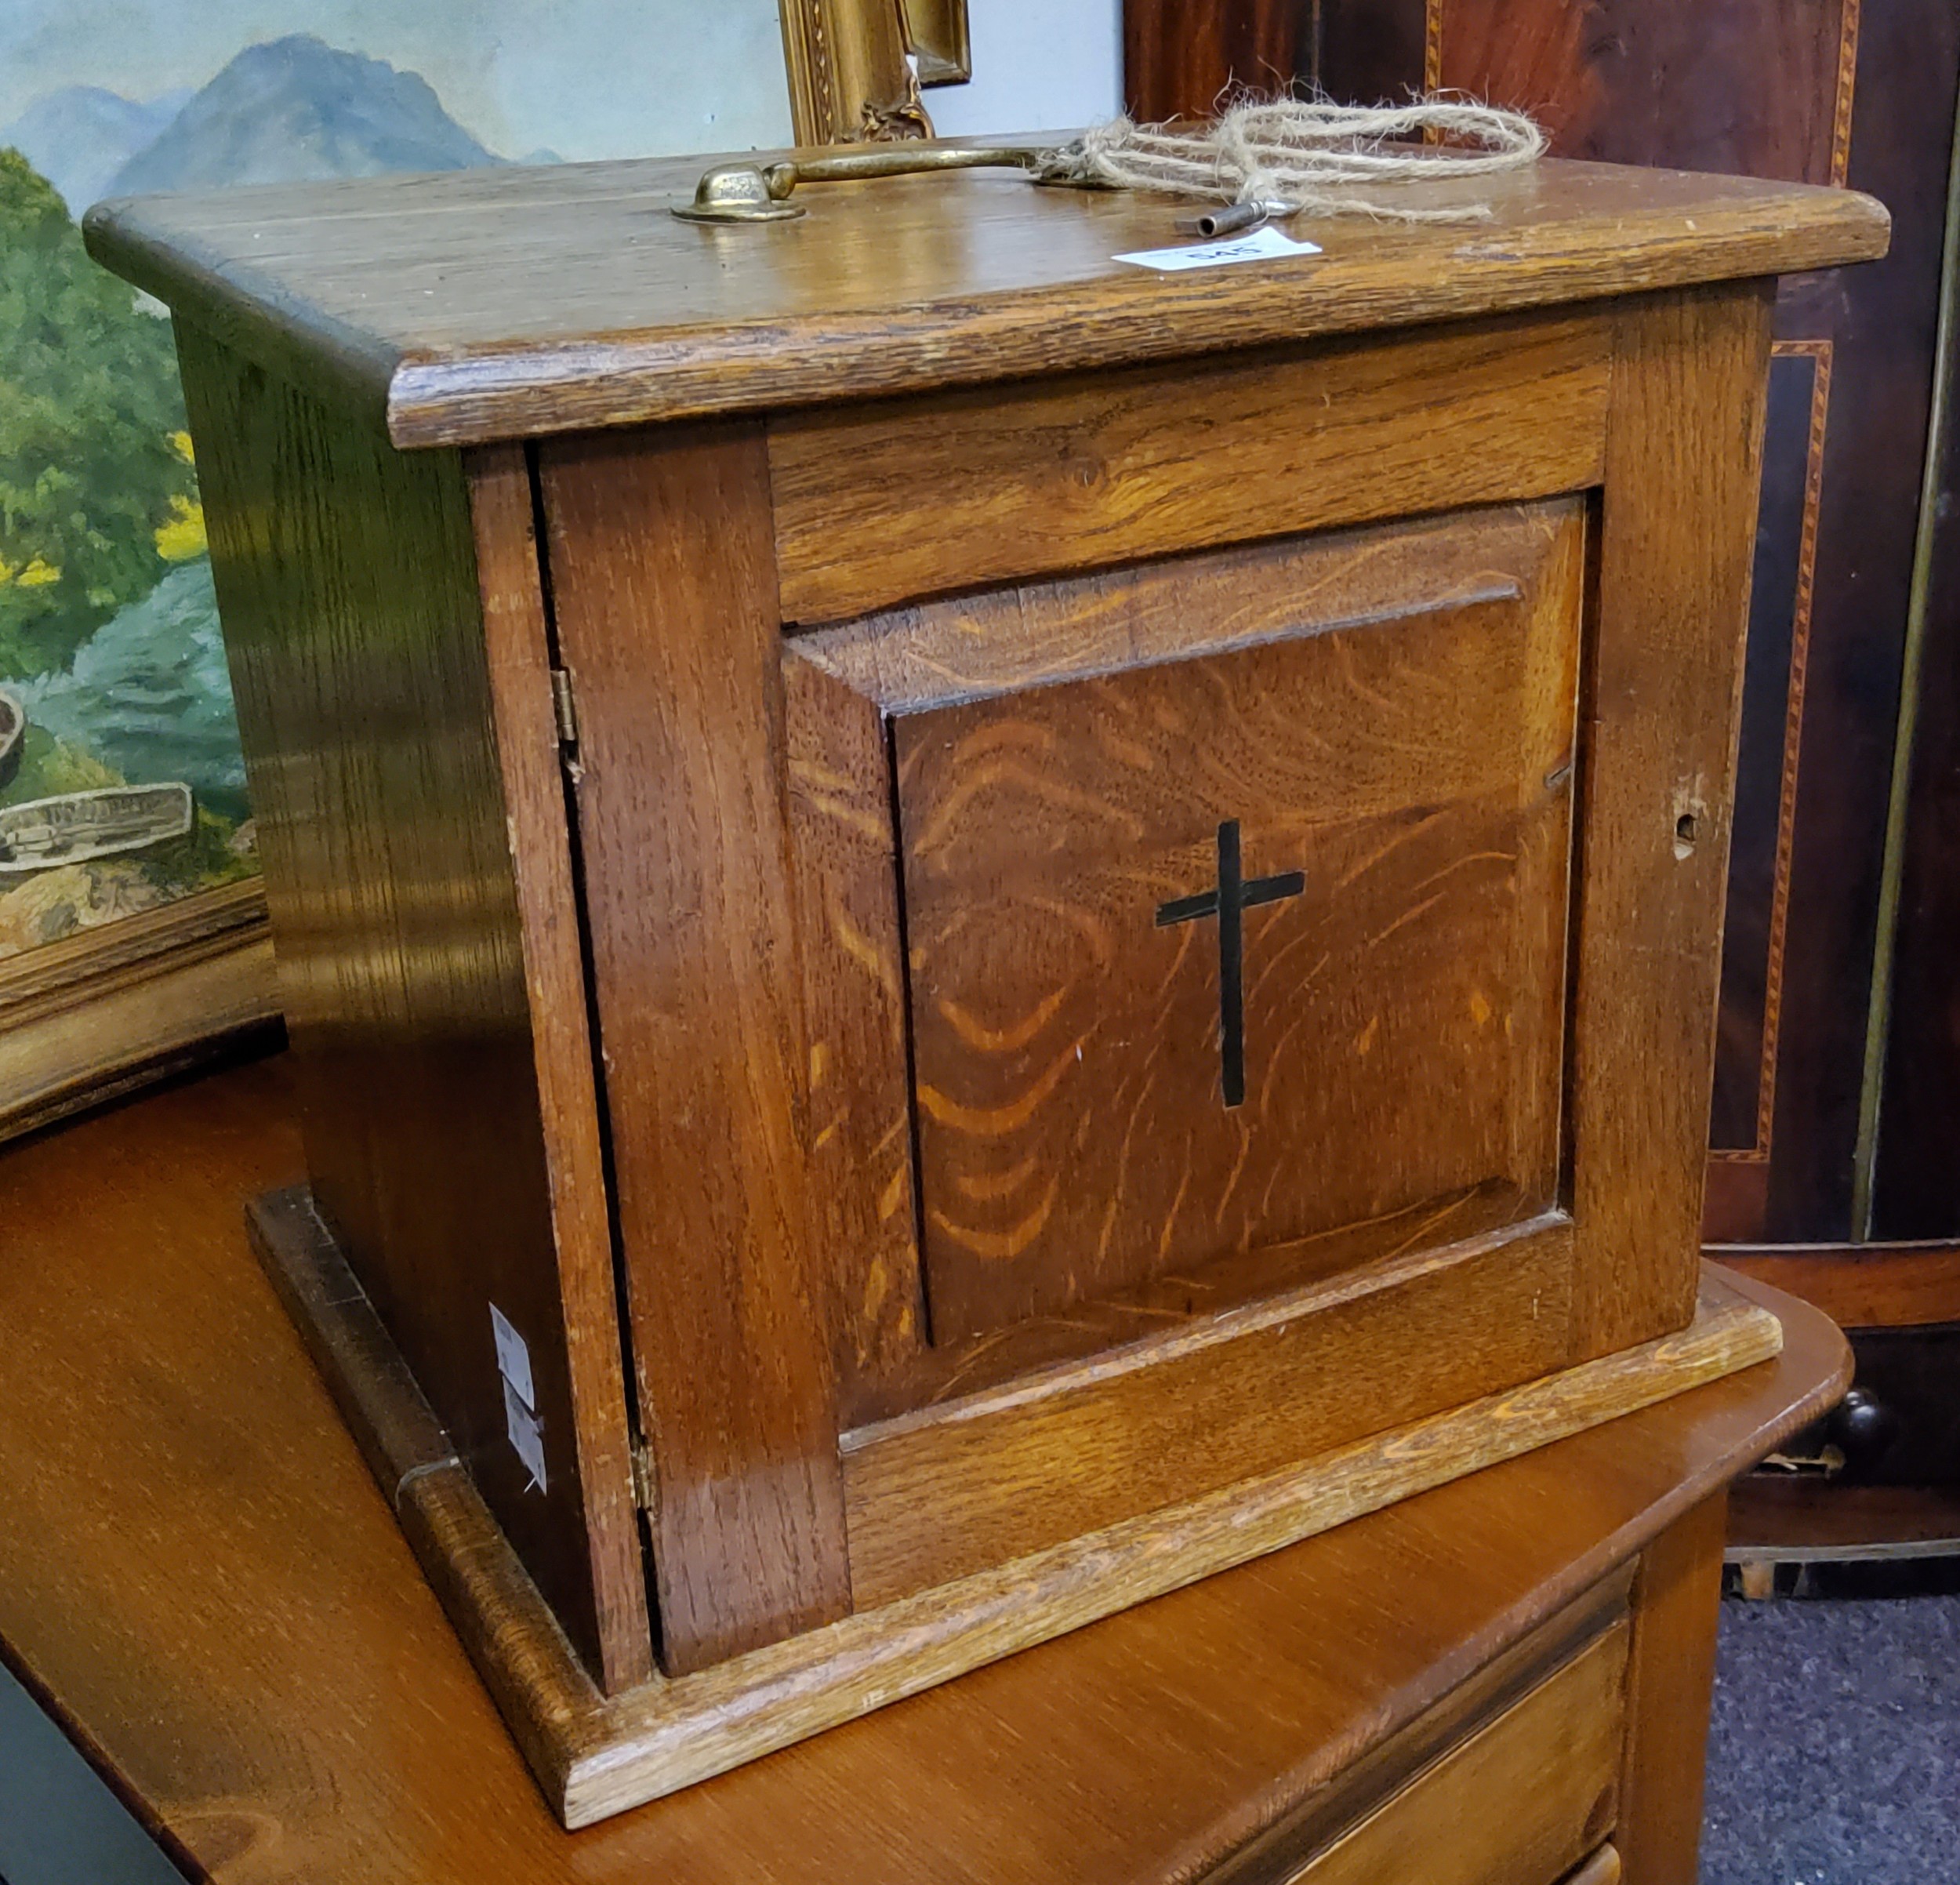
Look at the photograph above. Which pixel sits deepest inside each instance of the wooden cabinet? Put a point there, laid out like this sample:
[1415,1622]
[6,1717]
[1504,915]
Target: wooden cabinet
[1837,1085]
[966,945]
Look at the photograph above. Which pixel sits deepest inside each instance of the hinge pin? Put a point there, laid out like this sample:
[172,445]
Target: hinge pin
[564,707]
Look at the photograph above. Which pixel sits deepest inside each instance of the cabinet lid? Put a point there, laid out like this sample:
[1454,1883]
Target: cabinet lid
[497,303]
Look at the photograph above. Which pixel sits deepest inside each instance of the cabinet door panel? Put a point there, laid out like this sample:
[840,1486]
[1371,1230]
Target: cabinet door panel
[1234,896]
[1232,950]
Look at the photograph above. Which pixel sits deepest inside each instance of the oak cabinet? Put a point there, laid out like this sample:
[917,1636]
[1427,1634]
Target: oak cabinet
[965,942]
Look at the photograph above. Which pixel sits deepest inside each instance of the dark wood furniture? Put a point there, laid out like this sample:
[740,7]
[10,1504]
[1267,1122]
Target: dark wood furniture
[1836,1095]
[1499,1680]
[1104,884]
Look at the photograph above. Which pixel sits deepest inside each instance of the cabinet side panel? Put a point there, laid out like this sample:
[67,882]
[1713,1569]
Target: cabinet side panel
[347,581]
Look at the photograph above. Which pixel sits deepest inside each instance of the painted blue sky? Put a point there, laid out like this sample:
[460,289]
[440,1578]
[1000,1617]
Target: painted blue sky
[585,79]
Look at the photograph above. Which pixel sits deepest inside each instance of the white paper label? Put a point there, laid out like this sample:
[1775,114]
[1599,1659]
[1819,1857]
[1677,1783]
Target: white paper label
[527,1434]
[1265,244]
[513,1356]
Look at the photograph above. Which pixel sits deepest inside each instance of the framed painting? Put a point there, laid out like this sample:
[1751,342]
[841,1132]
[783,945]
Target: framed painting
[132,930]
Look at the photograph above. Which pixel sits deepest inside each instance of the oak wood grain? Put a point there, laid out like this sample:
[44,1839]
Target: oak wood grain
[878,505]
[200,1580]
[769,897]
[1394,1027]
[1037,1351]
[1678,515]
[516,655]
[689,907]
[846,685]
[397,1431]
[346,573]
[863,1218]
[493,303]
[880,1653]
[1033,632]
[985,1478]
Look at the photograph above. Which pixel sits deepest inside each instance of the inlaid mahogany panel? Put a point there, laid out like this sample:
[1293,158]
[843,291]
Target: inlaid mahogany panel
[1762,87]
[1779,608]
[1753,87]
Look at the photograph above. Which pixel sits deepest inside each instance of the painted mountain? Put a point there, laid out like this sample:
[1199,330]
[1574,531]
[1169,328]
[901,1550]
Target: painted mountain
[80,136]
[296,109]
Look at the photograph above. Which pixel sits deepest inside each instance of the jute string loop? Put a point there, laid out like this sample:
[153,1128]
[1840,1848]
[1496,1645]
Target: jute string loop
[1305,155]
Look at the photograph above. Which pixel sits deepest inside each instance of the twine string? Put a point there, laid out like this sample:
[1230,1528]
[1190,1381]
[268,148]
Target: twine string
[1306,155]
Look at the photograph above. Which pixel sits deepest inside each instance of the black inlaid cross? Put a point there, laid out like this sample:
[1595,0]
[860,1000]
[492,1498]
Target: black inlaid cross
[1233,896]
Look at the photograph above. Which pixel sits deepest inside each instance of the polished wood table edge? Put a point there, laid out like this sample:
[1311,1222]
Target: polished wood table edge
[122,1706]
[1561,1597]
[1861,1287]
[1619,1547]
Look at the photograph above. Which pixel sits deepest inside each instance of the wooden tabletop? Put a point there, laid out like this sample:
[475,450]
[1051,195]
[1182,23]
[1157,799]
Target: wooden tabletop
[198,1576]
[494,304]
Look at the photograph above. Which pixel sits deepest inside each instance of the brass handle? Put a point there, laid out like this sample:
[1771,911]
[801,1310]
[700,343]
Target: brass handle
[755,193]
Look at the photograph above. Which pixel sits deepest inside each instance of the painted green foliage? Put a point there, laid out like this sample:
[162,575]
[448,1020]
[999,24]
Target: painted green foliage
[90,418]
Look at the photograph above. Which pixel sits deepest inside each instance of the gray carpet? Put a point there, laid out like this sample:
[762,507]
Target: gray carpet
[59,1824]
[1835,1754]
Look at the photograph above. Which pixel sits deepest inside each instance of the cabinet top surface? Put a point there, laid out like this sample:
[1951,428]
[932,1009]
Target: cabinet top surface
[496,303]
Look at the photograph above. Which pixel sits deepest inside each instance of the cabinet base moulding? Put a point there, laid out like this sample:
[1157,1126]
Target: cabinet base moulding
[595,1755]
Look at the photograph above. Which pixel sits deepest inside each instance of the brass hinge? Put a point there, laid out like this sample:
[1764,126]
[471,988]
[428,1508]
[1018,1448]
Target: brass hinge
[646,1487]
[564,709]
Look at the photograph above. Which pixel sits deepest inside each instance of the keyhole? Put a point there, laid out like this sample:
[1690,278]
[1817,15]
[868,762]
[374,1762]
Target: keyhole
[1685,832]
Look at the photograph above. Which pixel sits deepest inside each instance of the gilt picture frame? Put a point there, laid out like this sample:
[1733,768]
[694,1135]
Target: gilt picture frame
[134,940]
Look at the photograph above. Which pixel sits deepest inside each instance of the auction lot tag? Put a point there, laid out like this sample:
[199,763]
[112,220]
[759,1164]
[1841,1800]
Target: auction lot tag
[1265,244]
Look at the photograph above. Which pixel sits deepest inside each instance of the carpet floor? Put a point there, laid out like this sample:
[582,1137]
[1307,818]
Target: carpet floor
[1834,1758]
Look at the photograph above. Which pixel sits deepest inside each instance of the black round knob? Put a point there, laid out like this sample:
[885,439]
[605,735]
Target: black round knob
[1862,1425]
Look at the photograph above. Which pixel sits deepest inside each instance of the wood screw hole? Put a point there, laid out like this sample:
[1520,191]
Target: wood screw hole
[1686,830]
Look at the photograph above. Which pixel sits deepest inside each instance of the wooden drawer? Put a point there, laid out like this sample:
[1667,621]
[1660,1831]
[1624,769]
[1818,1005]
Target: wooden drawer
[1523,1800]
